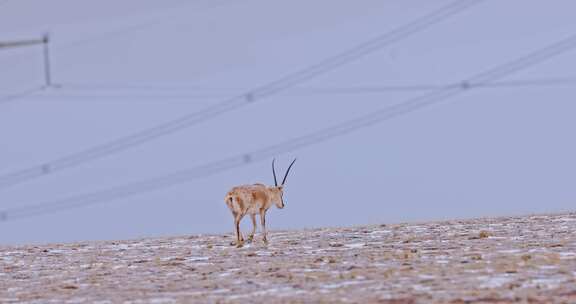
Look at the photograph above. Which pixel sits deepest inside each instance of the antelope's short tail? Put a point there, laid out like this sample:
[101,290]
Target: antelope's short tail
[229,200]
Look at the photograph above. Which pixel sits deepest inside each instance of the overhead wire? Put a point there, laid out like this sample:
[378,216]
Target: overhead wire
[16,96]
[20,43]
[373,87]
[250,97]
[205,93]
[384,114]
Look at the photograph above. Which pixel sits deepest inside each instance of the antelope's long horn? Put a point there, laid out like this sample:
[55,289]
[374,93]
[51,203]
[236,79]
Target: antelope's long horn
[287,171]
[274,173]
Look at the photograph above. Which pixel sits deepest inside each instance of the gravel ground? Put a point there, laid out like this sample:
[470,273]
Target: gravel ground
[529,259]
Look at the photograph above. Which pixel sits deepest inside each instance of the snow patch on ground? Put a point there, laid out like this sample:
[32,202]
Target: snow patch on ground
[494,281]
[355,245]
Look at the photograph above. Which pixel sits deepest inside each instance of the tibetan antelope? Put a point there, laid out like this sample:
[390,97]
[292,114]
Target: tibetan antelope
[255,199]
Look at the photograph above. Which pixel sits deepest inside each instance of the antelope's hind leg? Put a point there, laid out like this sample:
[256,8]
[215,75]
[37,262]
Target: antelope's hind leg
[239,239]
[251,235]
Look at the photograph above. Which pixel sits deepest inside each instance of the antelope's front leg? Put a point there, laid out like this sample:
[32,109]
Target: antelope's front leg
[263,223]
[251,236]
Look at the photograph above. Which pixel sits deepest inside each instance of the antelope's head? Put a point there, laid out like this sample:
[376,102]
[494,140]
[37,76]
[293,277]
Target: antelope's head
[277,192]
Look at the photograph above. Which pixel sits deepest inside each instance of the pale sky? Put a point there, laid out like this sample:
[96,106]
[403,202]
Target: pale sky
[126,66]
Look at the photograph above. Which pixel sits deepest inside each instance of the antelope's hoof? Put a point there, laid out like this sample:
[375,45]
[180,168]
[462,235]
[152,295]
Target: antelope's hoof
[265,241]
[239,245]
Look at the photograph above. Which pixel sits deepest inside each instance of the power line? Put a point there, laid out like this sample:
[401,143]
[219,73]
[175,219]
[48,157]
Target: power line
[143,86]
[20,95]
[374,87]
[242,100]
[204,93]
[20,43]
[341,129]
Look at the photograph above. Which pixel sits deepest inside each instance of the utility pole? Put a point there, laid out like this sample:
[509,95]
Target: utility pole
[47,67]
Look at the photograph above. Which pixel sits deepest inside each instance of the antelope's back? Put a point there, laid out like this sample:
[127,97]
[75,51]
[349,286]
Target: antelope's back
[246,197]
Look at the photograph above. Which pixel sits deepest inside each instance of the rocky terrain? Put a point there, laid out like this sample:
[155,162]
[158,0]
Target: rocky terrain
[529,259]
